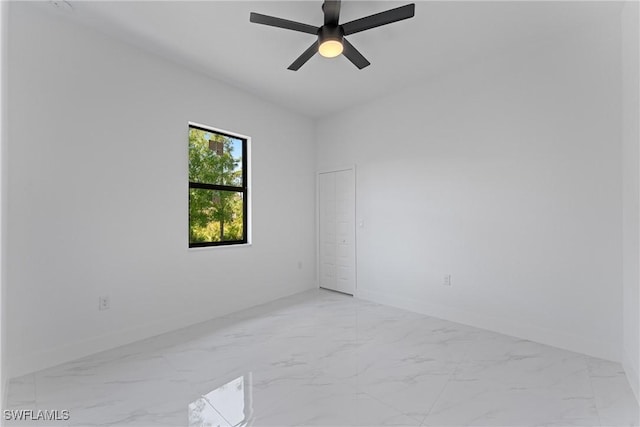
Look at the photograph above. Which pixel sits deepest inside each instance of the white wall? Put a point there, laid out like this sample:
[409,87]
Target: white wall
[505,174]
[3,200]
[98,195]
[631,192]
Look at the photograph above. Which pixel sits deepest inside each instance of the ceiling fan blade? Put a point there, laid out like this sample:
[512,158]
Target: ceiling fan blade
[331,9]
[258,18]
[306,55]
[382,18]
[354,55]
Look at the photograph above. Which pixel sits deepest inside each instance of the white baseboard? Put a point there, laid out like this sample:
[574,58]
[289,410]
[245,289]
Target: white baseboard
[34,362]
[30,363]
[495,324]
[633,375]
[56,356]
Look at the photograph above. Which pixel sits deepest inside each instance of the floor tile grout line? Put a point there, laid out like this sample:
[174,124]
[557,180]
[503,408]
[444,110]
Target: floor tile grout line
[593,391]
[388,405]
[440,393]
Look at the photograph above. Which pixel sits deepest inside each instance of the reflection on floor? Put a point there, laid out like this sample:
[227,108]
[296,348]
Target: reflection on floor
[227,405]
[321,358]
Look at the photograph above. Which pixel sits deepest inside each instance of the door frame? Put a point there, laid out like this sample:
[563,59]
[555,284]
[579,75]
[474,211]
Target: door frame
[353,220]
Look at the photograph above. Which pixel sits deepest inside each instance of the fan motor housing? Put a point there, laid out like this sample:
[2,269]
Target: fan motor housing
[330,33]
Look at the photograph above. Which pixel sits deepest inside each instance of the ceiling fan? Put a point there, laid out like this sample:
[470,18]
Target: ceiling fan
[331,41]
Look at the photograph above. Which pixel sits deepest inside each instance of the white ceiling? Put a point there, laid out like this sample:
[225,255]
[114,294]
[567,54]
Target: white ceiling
[215,37]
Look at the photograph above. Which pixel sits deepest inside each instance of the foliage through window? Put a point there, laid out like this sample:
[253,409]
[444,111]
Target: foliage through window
[217,188]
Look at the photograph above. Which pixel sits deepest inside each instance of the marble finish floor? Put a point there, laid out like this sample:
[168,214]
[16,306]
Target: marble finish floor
[321,358]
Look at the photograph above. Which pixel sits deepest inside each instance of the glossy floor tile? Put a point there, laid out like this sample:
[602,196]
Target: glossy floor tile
[325,359]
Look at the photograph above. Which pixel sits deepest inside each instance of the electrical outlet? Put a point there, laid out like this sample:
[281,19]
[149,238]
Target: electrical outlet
[104,303]
[446,280]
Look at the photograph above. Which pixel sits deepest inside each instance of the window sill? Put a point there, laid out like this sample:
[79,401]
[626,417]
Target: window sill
[207,248]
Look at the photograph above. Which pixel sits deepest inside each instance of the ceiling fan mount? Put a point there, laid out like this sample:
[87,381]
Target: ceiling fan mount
[331,41]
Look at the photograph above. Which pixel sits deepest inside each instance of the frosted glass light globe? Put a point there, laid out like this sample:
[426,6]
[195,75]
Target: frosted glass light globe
[330,48]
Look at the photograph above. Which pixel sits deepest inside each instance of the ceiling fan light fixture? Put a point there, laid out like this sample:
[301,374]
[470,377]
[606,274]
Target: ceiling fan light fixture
[330,48]
[331,40]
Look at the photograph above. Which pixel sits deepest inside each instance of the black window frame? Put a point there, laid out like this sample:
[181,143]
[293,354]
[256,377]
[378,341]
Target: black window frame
[244,190]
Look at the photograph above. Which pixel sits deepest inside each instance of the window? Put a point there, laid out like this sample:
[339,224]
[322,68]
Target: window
[217,188]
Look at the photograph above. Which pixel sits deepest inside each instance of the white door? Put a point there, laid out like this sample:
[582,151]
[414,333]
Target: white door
[336,231]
